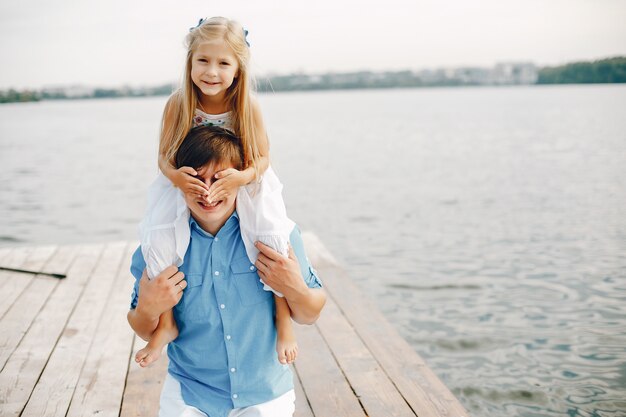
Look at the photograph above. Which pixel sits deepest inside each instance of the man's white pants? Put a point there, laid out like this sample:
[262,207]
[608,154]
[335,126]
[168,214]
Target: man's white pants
[172,404]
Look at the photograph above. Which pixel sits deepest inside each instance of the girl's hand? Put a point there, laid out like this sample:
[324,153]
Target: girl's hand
[185,179]
[228,182]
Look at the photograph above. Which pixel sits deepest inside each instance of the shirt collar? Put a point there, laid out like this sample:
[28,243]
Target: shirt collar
[231,223]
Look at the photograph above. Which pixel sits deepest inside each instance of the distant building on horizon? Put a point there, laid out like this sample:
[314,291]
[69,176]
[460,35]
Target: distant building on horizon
[68,91]
[504,73]
[521,73]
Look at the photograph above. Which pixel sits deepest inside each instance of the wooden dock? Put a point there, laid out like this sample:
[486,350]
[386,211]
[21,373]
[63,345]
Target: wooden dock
[66,348]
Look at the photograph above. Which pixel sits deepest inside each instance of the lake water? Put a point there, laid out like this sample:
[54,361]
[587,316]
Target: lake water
[489,224]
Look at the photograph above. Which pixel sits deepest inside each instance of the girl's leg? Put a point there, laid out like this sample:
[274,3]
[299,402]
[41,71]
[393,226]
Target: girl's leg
[165,332]
[286,345]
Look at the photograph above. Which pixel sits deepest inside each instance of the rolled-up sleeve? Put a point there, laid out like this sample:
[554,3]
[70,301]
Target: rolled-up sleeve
[137,265]
[309,273]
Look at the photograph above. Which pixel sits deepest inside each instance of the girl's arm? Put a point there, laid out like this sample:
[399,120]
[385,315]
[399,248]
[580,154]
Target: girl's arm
[184,177]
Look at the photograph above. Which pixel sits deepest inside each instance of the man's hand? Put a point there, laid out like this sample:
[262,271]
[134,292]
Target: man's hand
[280,273]
[160,294]
[284,275]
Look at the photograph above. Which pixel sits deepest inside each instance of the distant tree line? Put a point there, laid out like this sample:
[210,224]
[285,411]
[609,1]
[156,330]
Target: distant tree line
[610,70]
[14,96]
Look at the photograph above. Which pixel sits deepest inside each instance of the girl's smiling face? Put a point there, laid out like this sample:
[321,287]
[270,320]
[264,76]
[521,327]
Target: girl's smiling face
[214,67]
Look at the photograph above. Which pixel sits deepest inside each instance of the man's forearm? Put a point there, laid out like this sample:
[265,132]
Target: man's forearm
[306,306]
[142,324]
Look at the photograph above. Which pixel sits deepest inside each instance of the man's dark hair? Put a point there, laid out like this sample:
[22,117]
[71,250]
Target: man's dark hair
[204,145]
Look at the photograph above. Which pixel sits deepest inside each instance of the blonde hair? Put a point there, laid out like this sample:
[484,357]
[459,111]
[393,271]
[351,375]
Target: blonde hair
[184,101]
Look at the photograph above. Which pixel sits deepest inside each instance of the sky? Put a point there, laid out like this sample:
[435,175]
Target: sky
[47,43]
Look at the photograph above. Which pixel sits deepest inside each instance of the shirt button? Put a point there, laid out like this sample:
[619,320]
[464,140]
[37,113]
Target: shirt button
[227,337]
[235,396]
[217,272]
[232,370]
[251,268]
[222,306]
[217,239]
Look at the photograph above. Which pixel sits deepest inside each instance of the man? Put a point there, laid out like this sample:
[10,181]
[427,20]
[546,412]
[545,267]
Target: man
[223,362]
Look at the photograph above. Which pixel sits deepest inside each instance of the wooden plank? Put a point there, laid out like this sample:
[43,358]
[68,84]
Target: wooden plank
[11,285]
[38,258]
[25,365]
[27,305]
[4,252]
[101,385]
[143,385]
[15,282]
[53,392]
[18,318]
[17,256]
[377,394]
[61,261]
[323,382]
[420,387]
[303,408]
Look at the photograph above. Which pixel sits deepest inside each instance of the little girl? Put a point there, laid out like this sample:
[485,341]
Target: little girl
[216,91]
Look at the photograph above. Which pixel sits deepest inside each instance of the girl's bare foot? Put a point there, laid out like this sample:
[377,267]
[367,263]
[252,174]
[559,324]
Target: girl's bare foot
[148,355]
[165,332]
[286,345]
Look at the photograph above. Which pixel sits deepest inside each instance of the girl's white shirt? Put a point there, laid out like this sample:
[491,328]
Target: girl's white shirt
[164,231]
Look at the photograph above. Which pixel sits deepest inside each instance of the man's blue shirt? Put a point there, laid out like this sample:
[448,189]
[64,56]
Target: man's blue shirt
[225,354]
